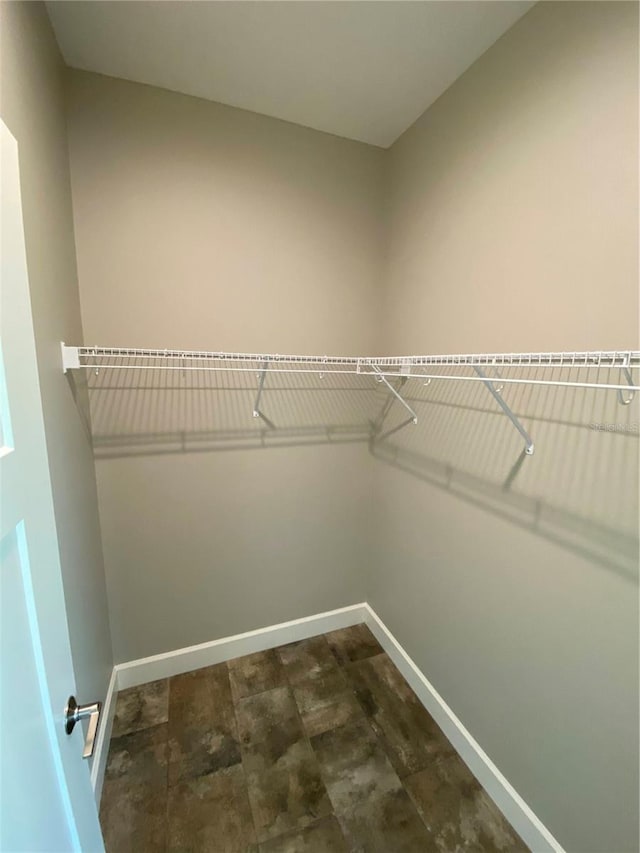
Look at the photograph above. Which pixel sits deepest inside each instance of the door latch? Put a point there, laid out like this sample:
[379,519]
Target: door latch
[73,713]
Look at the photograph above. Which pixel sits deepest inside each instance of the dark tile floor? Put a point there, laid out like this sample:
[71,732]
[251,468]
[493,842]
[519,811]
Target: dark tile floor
[318,746]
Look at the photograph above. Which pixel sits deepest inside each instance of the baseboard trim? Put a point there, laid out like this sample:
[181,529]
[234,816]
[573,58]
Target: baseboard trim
[530,828]
[165,665]
[105,726]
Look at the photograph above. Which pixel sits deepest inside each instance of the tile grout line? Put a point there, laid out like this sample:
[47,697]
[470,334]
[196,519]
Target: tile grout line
[375,734]
[308,740]
[304,730]
[305,736]
[234,703]
[342,668]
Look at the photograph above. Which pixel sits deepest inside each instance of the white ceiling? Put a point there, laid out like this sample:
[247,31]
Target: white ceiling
[363,70]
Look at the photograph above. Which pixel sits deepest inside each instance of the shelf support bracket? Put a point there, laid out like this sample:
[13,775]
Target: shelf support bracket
[390,400]
[624,401]
[256,406]
[529,446]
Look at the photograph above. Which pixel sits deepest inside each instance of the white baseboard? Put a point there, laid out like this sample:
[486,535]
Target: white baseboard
[105,725]
[528,826]
[194,657]
[131,674]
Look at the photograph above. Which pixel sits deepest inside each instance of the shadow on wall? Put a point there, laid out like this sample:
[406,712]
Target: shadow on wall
[579,489]
[148,412]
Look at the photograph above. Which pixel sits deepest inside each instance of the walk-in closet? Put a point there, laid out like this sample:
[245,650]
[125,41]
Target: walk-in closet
[319,446]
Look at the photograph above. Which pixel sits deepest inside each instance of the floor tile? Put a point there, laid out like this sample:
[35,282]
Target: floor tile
[325,836]
[354,643]
[255,673]
[307,658]
[211,813]
[322,692]
[388,825]
[133,817]
[325,702]
[202,726]
[339,756]
[141,756]
[354,766]
[409,734]
[141,707]
[375,812]
[134,795]
[285,788]
[458,812]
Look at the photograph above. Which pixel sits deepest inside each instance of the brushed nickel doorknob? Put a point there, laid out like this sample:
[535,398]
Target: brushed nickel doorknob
[73,713]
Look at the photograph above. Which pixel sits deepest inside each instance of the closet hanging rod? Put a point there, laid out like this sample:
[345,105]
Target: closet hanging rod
[110,358]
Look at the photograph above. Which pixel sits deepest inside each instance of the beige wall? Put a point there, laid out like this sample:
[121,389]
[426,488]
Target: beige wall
[200,226]
[514,211]
[513,206]
[32,106]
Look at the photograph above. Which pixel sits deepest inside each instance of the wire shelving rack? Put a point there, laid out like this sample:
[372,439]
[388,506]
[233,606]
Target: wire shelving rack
[604,370]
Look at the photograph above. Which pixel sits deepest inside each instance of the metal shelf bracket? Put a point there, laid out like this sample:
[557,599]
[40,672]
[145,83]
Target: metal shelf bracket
[256,406]
[529,446]
[396,396]
[384,411]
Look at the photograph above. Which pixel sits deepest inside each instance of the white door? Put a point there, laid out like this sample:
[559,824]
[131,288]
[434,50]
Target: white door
[46,799]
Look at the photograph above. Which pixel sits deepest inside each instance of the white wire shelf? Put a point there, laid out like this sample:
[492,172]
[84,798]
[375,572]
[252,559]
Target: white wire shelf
[571,369]
[415,367]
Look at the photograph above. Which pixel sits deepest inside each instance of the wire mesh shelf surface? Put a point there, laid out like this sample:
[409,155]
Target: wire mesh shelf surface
[570,366]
